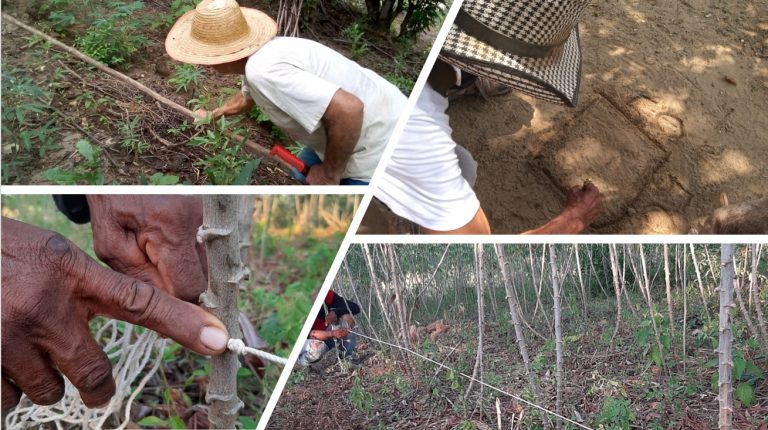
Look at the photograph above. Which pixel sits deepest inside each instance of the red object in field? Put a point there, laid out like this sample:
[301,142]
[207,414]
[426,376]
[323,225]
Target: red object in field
[289,158]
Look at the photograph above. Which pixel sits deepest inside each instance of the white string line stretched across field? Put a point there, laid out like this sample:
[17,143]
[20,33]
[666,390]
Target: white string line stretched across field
[541,408]
[238,346]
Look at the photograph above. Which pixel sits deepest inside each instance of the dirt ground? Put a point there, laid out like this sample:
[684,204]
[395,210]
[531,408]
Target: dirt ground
[382,393]
[671,112]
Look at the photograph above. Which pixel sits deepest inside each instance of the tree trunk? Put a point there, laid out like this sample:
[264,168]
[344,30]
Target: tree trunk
[754,295]
[220,233]
[514,311]
[669,291]
[701,285]
[617,288]
[685,306]
[558,337]
[725,346]
[267,201]
[652,310]
[581,282]
[478,369]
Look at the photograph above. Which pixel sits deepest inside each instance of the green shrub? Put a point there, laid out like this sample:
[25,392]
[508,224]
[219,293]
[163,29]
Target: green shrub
[88,172]
[114,39]
[186,75]
[615,414]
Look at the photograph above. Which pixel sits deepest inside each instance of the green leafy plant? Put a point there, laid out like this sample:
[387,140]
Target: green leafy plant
[360,398]
[227,165]
[186,75]
[158,178]
[354,33]
[88,172]
[129,129]
[61,20]
[258,115]
[615,414]
[421,15]
[199,102]
[29,130]
[746,375]
[176,9]
[114,38]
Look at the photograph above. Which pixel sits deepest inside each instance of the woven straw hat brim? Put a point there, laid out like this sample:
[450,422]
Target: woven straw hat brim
[555,78]
[181,46]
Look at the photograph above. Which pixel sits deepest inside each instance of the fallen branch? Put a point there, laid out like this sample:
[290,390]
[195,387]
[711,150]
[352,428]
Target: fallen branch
[250,145]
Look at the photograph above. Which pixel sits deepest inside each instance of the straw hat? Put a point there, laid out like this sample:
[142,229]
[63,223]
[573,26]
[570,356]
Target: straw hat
[219,31]
[529,45]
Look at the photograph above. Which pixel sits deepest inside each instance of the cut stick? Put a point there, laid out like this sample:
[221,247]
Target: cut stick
[250,145]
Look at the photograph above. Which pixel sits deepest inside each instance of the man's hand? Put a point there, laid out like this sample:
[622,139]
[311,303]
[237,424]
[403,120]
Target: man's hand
[50,290]
[153,239]
[340,333]
[331,318]
[320,174]
[203,116]
[584,203]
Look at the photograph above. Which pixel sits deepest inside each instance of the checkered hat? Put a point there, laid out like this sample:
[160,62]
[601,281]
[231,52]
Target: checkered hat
[529,45]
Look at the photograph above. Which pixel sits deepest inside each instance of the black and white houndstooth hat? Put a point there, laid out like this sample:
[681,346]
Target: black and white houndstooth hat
[530,45]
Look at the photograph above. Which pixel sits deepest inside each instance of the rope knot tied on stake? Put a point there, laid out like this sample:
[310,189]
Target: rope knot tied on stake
[238,347]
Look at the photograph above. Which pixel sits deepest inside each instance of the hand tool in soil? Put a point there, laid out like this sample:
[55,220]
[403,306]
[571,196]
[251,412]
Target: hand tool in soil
[282,156]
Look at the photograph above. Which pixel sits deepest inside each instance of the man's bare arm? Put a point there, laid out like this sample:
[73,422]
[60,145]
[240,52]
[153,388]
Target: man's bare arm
[583,206]
[343,120]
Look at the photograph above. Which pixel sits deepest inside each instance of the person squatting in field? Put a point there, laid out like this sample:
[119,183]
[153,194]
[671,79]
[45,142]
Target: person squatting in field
[331,329]
[342,112]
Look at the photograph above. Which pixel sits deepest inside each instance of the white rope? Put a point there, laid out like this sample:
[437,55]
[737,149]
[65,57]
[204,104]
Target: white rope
[134,353]
[541,408]
[238,346]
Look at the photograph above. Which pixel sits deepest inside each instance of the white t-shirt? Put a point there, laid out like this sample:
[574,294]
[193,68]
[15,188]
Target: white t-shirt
[293,80]
[422,181]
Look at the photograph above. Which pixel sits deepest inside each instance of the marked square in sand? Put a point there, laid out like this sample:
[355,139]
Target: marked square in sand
[603,146]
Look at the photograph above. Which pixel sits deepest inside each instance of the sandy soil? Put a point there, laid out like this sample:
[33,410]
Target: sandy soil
[672,112]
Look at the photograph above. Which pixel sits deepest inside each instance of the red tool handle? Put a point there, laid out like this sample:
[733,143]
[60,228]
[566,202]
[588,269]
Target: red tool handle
[289,158]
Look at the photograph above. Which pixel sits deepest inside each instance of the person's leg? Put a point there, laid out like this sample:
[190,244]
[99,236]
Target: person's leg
[348,181]
[310,158]
[312,352]
[348,345]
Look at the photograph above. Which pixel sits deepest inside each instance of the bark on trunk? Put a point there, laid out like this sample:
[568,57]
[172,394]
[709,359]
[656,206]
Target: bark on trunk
[558,337]
[478,369]
[669,291]
[725,346]
[221,234]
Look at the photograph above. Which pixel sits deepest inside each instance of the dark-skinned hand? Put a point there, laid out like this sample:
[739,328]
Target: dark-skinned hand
[340,333]
[331,318]
[321,174]
[50,291]
[152,239]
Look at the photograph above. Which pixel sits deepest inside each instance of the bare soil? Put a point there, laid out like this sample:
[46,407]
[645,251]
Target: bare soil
[672,112]
[387,392]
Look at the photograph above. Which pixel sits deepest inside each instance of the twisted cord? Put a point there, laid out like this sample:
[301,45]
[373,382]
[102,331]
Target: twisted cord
[238,347]
[541,408]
